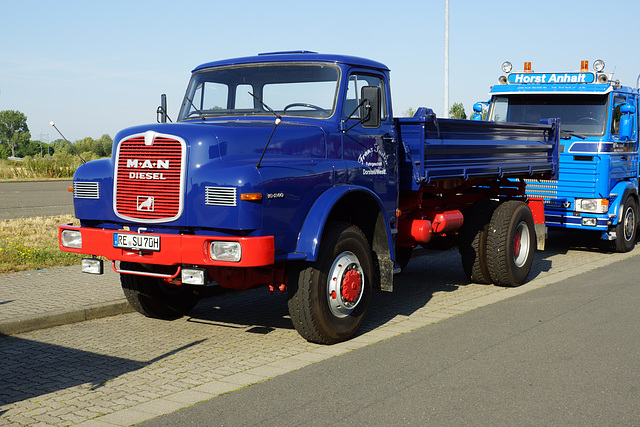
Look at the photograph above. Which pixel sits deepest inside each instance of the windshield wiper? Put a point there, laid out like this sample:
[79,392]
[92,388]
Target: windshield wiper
[266,106]
[278,120]
[200,113]
[567,134]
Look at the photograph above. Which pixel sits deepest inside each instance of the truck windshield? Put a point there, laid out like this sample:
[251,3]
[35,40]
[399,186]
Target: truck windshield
[307,90]
[582,114]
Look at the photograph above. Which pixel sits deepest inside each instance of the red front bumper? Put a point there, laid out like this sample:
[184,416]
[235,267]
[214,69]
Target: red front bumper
[174,248]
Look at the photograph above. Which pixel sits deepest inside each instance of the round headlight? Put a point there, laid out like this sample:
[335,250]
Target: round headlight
[598,65]
[506,67]
[502,80]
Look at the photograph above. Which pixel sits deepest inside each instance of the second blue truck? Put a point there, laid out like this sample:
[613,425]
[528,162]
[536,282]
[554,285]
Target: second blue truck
[597,187]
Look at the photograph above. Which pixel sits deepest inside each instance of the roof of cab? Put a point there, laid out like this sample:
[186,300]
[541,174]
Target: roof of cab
[297,56]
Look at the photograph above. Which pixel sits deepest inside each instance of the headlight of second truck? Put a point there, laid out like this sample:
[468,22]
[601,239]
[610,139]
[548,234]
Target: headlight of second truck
[597,206]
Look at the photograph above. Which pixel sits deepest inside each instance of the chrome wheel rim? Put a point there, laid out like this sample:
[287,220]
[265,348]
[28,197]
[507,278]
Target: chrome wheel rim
[345,284]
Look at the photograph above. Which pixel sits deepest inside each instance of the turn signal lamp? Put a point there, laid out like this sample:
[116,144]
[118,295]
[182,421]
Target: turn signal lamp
[252,197]
[527,67]
[598,65]
[584,66]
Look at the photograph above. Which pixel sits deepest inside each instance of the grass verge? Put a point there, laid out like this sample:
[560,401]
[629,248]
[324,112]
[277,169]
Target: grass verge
[60,167]
[28,244]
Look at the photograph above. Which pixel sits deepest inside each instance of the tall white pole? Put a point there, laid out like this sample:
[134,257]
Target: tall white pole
[446,58]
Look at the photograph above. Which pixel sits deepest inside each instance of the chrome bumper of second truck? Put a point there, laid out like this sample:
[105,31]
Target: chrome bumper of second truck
[582,221]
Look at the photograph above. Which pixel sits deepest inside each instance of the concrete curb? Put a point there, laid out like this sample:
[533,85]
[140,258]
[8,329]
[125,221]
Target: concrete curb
[63,317]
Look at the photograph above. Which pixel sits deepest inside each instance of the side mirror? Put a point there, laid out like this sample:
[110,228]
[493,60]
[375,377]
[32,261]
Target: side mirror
[477,111]
[627,112]
[161,112]
[370,109]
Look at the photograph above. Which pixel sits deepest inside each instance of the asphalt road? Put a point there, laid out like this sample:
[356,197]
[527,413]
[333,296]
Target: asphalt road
[564,354]
[27,199]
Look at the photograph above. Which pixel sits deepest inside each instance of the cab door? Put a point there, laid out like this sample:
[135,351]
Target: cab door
[624,159]
[370,146]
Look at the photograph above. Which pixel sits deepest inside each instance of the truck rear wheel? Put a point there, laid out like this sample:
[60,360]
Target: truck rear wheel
[511,243]
[627,227]
[329,298]
[403,256]
[153,297]
[473,241]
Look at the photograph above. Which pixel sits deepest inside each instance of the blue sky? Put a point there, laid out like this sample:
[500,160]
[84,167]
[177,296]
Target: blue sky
[97,67]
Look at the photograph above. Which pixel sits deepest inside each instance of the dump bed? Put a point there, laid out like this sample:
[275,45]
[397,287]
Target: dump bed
[440,149]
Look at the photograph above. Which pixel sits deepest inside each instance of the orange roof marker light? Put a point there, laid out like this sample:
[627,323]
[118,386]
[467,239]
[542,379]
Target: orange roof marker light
[527,67]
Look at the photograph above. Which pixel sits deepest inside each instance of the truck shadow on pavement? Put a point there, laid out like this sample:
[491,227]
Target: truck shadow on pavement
[29,369]
[255,311]
[429,272]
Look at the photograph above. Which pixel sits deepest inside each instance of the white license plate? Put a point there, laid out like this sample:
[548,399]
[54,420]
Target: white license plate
[141,242]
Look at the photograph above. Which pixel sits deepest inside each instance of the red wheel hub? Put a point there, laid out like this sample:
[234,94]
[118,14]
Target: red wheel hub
[351,285]
[517,244]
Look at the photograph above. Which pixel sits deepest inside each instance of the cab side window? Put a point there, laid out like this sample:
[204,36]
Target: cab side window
[354,88]
[616,116]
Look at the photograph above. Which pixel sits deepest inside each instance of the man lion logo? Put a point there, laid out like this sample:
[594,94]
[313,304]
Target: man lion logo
[147,203]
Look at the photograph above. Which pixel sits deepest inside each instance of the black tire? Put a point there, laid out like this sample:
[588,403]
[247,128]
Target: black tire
[155,298]
[318,314]
[403,256]
[473,241]
[627,228]
[511,244]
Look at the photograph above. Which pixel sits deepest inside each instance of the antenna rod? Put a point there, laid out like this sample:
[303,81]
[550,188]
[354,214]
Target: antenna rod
[74,148]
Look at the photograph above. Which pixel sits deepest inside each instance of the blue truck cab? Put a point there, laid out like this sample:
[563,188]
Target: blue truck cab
[288,170]
[597,187]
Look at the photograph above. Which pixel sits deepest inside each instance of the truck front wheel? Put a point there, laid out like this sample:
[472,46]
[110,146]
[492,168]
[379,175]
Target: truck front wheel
[511,243]
[153,297]
[329,298]
[626,228]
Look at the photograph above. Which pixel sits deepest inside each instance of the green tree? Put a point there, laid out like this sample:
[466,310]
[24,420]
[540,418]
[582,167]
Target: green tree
[107,145]
[457,111]
[29,148]
[410,112]
[13,129]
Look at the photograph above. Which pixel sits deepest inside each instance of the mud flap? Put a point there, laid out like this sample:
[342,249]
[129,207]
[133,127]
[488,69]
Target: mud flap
[386,273]
[541,236]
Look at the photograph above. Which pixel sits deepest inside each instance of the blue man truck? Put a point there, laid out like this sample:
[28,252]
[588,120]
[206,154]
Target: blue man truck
[289,170]
[597,187]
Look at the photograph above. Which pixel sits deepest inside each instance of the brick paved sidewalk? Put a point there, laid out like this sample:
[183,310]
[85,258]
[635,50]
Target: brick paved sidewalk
[125,369]
[40,299]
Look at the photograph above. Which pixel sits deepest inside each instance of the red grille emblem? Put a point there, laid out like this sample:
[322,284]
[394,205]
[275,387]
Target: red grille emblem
[148,185]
